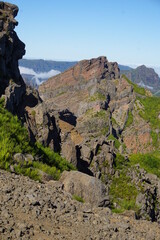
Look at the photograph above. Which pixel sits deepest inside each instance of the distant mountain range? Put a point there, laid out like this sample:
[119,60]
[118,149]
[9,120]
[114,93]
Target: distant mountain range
[144,77]
[38,71]
[124,68]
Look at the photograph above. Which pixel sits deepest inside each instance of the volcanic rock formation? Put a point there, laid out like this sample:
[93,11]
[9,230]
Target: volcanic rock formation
[99,118]
[90,115]
[91,102]
[11,48]
[19,99]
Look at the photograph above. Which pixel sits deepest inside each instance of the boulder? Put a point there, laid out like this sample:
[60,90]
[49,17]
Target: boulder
[19,158]
[44,176]
[23,158]
[90,189]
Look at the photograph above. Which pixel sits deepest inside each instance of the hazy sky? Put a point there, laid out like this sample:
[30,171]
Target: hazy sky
[126,31]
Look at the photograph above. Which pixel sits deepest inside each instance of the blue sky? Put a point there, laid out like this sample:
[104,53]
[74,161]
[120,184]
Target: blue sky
[126,31]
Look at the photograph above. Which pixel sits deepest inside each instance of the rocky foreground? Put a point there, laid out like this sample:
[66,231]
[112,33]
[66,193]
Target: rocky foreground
[30,210]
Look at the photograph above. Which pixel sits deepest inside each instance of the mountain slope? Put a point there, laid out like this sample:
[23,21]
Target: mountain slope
[144,77]
[18,151]
[101,122]
[102,119]
[38,71]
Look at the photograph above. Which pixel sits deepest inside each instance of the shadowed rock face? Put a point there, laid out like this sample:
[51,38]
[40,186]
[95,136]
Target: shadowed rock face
[11,47]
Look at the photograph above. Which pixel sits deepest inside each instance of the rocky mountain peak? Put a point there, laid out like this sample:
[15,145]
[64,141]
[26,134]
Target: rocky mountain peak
[84,71]
[84,99]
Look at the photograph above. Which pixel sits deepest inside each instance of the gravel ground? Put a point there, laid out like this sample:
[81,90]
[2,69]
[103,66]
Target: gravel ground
[31,210]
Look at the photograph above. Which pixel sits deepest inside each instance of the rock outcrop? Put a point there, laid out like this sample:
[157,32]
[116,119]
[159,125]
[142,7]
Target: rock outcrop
[20,99]
[99,116]
[11,47]
[84,100]
[91,102]
[88,188]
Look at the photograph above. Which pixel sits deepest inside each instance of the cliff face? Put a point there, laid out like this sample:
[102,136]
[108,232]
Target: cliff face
[83,100]
[19,99]
[92,105]
[11,48]
[102,119]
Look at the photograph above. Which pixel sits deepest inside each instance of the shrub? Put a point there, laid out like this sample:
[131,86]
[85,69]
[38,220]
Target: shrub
[149,161]
[151,114]
[14,139]
[129,120]
[78,198]
[33,113]
[120,162]
[123,193]
[136,88]
[117,143]
[97,96]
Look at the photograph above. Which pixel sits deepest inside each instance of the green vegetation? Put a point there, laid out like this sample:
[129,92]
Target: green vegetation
[104,130]
[129,120]
[99,150]
[122,190]
[151,110]
[120,162]
[78,198]
[151,114]
[117,143]
[123,193]
[136,88]
[97,96]
[100,114]
[14,139]
[33,113]
[149,161]
[27,171]
[114,121]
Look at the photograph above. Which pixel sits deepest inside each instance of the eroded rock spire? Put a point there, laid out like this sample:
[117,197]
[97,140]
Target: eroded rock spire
[11,47]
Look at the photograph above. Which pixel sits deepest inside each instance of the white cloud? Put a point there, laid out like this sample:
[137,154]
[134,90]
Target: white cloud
[42,75]
[38,77]
[24,70]
[141,84]
[157,70]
